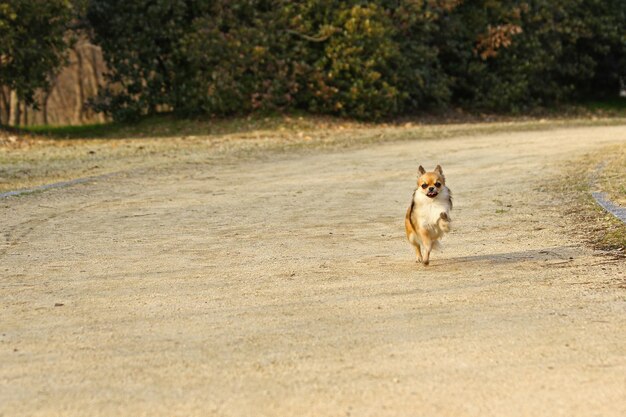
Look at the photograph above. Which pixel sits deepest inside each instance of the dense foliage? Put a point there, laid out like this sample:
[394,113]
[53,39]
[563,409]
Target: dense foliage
[365,59]
[535,52]
[32,43]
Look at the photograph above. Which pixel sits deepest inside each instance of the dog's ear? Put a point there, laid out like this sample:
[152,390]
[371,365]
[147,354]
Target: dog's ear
[421,170]
[439,171]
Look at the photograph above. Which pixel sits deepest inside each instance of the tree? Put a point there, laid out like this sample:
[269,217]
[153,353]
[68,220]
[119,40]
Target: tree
[141,42]
[33,44]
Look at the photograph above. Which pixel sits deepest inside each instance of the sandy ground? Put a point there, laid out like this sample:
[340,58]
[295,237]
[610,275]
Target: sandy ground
[284,286]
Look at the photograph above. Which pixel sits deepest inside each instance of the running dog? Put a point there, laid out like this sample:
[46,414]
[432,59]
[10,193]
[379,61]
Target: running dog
[428,216]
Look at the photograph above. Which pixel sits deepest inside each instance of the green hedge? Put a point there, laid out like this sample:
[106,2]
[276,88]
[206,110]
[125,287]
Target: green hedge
[363,59]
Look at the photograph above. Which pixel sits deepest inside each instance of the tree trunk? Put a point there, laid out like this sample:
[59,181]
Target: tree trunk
[94,68]
[5,105]
[97,75]
[14,118]
[44,106]
[80,91]
[25,114]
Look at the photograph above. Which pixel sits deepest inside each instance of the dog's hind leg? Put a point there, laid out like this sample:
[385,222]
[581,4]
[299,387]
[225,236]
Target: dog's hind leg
[415,243]
[411,234]
[426,259]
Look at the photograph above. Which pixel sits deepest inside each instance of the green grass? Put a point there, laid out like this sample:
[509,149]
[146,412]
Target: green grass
[614,106]
[73,132]
[168,125]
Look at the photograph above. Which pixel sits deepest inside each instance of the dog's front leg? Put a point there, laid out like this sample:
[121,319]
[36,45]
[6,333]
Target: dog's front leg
[427,245]
[418,253]
[444,222]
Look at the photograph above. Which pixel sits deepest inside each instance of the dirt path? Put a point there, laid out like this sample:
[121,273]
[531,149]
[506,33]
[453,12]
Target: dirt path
[285,288]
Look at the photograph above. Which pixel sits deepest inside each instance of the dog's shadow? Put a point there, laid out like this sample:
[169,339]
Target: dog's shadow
[551,255]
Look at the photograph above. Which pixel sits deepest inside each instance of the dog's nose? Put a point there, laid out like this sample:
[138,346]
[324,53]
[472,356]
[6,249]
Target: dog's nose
[431,188]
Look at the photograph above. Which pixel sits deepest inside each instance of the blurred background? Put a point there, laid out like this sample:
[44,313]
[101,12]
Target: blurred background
[80,62]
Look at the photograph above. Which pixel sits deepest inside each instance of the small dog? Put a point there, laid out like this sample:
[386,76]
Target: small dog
[428,216]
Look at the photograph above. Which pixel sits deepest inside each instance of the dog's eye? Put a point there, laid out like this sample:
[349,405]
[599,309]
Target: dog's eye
[424,186]
[437,184]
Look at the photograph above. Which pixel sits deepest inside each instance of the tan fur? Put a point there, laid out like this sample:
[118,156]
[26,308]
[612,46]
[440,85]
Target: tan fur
[428,217]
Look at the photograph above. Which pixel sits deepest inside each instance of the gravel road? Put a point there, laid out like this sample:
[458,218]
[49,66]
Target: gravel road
[283,286]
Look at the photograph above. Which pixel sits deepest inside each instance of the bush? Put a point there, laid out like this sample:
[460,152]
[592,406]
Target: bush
[535,53]
[363,59]
[353,74]
[141,44]
[239,59]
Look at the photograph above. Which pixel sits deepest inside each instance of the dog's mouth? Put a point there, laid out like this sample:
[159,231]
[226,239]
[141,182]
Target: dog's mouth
[432,194]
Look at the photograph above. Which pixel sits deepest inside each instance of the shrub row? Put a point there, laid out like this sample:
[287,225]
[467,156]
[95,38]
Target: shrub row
[363,59]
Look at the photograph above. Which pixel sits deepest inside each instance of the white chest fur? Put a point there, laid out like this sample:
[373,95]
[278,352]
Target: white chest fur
[427,211]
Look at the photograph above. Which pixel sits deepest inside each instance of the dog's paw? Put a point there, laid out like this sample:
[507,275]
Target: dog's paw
[444,222]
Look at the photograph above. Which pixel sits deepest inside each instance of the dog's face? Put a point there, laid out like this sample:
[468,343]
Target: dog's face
[430,183]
